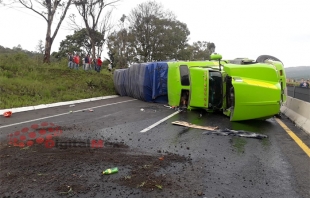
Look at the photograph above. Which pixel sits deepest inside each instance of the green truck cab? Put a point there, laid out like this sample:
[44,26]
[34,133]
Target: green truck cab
[242,89]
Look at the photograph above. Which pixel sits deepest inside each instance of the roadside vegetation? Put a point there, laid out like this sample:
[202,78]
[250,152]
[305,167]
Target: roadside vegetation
[26,81]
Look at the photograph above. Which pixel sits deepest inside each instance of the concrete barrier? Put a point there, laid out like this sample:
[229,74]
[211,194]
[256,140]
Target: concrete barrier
[298,111]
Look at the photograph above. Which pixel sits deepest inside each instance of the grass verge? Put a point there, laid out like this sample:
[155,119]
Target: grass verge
[25,82]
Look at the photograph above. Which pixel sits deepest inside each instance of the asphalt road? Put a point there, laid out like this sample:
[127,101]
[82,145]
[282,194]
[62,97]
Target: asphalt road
[225,166]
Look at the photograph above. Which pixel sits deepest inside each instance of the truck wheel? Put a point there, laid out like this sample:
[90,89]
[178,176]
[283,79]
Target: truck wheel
[263,58]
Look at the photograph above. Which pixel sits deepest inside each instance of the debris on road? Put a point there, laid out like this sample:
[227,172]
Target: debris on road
[224,132]
[7,114]
[141,109]
[170,107]
[239,133]
[69,193]
[110,171]
[70,111]
[187,124]
[177,108]
[91,110]
[72,105]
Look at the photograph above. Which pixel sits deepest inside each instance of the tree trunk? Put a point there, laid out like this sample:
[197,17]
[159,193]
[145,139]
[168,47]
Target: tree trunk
[48,42]
[51,7]
[93,48]
[47,53]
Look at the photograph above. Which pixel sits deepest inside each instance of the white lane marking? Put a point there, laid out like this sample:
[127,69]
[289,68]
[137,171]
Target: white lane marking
[44,106]
[64,114]
[160,121]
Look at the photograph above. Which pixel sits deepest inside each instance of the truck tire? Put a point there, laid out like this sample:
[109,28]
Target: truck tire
[263,58]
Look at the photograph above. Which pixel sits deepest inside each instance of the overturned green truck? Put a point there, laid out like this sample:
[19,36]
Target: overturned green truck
[242,88]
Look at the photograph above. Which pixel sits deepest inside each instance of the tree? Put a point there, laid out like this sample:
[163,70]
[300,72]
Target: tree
[153,34]
[18,48]
[171,39]
[120,45]
[186,53]
[40,47]
[49,10]
[91,13]
[202,50]
[78,43]
[157,35]
[211,47]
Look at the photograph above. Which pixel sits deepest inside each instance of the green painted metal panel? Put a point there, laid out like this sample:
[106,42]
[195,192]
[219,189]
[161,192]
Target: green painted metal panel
[255,99]
[199,91]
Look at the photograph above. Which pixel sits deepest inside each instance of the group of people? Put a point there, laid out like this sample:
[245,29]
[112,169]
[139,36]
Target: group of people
[304,83]
[87,62]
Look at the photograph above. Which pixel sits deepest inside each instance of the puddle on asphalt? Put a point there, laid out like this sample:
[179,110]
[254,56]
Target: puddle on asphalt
[256,126]
[238,144]
[183,131]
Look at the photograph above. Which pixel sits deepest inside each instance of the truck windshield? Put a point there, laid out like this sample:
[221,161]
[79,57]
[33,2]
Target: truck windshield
[215,89]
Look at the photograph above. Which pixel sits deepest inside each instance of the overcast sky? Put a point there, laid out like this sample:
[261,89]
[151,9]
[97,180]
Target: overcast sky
[239,28]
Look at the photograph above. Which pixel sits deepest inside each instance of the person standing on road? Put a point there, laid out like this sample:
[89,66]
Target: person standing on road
[99,64]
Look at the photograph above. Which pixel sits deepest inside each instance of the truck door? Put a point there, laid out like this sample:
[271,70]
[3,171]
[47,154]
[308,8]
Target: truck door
[199,88]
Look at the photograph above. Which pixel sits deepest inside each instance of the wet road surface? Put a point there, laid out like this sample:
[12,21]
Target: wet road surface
[222,166]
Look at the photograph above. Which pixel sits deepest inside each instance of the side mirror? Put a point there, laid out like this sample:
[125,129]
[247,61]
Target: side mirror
[218,57]
[215,56]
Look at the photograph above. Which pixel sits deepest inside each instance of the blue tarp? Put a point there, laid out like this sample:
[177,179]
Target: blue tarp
[143,81]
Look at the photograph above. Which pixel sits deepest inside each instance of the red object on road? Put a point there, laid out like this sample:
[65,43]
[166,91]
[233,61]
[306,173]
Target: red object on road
[7,114]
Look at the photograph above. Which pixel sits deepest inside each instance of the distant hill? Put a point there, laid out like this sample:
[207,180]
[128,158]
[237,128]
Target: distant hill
[298,72]
[18,49]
